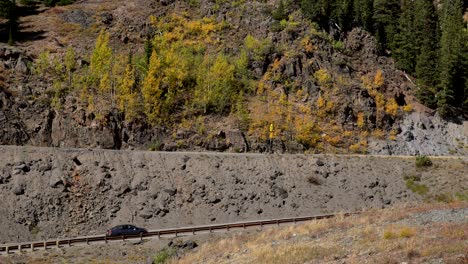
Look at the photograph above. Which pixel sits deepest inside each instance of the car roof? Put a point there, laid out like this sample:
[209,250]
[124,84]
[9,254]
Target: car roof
[122,227]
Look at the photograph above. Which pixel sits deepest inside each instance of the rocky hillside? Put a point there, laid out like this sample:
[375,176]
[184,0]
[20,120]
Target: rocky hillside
[84,75]
[66,192]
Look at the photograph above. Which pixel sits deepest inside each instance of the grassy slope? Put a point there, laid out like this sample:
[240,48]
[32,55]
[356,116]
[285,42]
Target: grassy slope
[378,236]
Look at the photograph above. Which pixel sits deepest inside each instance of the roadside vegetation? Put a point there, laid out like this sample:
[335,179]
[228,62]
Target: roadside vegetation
[379,236]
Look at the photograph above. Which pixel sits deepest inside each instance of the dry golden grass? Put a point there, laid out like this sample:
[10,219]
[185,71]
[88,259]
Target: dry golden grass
[372,237]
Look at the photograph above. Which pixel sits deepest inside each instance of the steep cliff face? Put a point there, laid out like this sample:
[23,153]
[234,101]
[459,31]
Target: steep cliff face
[48,193]
[324,92]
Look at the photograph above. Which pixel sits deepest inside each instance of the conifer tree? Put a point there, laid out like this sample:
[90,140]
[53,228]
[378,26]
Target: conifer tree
[425,23]
[386,14]
[405,48]
[148,50]
[318,11]
[464,66]
[363,11]
[8,11]
[280,12]
[451,87]
[344,14]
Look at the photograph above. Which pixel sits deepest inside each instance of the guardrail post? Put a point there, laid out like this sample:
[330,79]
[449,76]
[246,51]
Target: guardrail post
[261,225]
[159,235]
[7,249]
[32,247]
[57,243]
[105,239]
[294,220]
[69,243]
[20,248]
[123,238]
[210,230]
[193,231]
[277,222]
[228,228]
[176,233]
[45,245]
[87,241]
[141,237]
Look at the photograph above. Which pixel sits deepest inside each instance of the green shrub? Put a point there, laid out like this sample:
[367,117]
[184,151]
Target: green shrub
[444,198]
[338,45]
[163,256]
[155,145]
[420,189]
[423,161]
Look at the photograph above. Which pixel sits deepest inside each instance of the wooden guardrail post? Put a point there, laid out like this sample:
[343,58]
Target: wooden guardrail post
[243,225]
[159,235]
[87,241]
[45,245]
[211,231]
[141,237]
[105,239]
[193,231]
[277,222]
[69,243]
[176,233]
[57,243]
[32,247]
[7,250]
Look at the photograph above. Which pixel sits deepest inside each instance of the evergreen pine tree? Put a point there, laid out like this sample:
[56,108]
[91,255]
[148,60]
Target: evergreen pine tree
[344,14]
[280,13]
[425,24]
[318,11]
[8,11]
[405,49]
[386,14]
[363,14]
[148,50]
[451,87]
[464,68]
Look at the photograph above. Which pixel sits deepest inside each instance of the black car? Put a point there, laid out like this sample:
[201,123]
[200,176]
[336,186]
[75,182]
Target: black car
[125,230]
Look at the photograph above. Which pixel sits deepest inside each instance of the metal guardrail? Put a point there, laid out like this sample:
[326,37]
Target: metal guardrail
[9,248]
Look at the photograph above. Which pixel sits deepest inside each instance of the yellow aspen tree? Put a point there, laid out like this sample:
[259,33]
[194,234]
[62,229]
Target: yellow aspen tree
[127,98]
[101,58]
[105,84]
[151,90]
